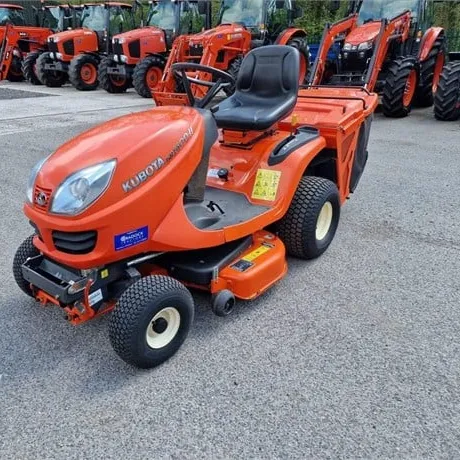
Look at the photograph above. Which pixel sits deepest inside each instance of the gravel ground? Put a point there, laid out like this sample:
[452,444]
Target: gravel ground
[8,93]
[355,355]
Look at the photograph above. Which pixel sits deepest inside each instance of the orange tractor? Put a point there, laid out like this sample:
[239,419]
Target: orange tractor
[243,25]
[75,54]
[413,57]
[139,56]
[447,97]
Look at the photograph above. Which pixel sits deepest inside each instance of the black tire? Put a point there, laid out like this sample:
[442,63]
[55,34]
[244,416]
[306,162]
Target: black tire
[223,303]
[301,45]
[424,96]
[298,228]
[114,85]
[77,72]
[233,70]
[29,68]
[393,104]
[132,318]
[15,72]
[447,97]
[52,79]
[24,251]
[140,74]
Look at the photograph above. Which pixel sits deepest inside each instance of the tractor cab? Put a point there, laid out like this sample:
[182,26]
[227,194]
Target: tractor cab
[12,14]
[58,17]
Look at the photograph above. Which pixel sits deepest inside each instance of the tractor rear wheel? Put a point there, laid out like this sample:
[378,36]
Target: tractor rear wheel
[111,83]
[399,88]
[147,75]
[430,71]
[300,44]
[15,72]
[83,72]
[233,70]
[447,97]
[309,226]
[24,252]
[29,68]
[151,321]
[50,78]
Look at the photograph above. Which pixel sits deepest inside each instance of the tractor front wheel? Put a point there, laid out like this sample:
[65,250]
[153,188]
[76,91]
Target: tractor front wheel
[29,68]
[50,78]
[147,75]
[301,45]
[111,83]
[151,321]
[24,252]
[309,226]
[83,72]
[15,72]
[399,89]
[233,70]
[447,97]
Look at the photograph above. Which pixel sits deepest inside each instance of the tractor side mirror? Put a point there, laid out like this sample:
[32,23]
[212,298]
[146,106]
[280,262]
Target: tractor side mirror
[335,5]
[297,12]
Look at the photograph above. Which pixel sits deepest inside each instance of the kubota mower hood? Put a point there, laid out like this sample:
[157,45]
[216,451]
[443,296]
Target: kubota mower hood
[71,34]
[365,33]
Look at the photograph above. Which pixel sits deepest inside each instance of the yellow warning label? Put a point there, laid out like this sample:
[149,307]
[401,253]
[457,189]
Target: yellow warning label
[266,185]
[104,273]
[256,253]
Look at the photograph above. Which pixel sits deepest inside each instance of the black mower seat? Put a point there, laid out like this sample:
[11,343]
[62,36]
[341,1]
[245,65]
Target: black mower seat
[266,90]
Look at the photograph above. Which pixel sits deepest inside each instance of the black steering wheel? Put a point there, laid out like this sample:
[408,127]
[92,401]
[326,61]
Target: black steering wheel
[222,80]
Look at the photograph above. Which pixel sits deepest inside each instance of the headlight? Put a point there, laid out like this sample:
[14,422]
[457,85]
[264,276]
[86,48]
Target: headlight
[58,55]
[82,189]
[53,39]
[115,57]
[365,46]
[347,47]
[124,58]
[33,177]
[121,41]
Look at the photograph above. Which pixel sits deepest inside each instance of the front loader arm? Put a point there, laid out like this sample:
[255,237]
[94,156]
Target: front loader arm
[6,51]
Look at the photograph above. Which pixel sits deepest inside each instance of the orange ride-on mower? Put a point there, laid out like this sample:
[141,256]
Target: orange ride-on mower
[413,59]
[132,213]
[75,54]
[139,56]
[243,24]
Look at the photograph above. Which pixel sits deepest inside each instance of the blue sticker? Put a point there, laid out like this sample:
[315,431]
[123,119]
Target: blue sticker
[131,238]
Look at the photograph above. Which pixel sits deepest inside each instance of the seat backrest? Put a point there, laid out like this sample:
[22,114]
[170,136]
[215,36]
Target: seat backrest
[262,76]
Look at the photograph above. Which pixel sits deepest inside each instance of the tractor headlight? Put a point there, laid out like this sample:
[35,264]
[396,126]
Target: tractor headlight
[124,59]
[54,39]
[32,177]
[347,47]
[365,46]
[82,189]
[59,56]
[121,41]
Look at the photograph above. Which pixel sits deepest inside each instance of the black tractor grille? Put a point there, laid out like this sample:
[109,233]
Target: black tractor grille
[117,48]
[196,50]
[53,47]
[69,47]
[75,242]
[135,49]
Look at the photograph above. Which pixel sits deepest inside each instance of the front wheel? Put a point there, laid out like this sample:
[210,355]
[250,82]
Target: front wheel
[309,226]
[29,68]
[83,72]
[50,78]
[301,45]
[447,97]
[147,75]
[111,83]
[151,321]
[25,251]
[15,72]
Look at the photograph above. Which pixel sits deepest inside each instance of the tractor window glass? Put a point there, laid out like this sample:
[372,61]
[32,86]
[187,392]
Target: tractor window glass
[120,20]
[93,18]
[374,10]
[162,15]
[190,19]
[51,18]
[247,12]
[278,16]
[12,16]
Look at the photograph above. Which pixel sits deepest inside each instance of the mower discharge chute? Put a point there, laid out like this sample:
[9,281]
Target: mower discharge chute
[178,198]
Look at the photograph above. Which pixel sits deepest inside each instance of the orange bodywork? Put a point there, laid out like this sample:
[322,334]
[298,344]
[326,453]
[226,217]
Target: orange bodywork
[84,41]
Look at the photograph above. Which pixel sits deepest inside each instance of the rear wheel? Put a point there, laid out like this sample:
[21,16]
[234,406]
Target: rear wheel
[111,83]
[430,72]
[309,226]
[399,89]
[15,72]
[50,78]
[301,44]
[151,321]
[24,252]
[83,72]
[29,68]
[147,75]
[447,97]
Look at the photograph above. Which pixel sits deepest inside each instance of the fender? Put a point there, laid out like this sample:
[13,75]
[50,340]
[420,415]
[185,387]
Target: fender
[428,39]
[288,34]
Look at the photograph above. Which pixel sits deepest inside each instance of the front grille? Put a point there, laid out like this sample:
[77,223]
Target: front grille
[53,47]
[134,49]
[75,242]
[117,48]
[69,47]
[42,197]
[196,50]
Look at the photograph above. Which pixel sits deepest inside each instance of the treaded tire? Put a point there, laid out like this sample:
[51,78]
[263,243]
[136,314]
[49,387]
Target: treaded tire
[132,316]
[298,228]
[447,97]
[424,96]
[15,72]
[140,74]
[106,81]
[394,88]
[233,70]
[29,66]
[51,79]
[24,251]
[301,44]
[75,72]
